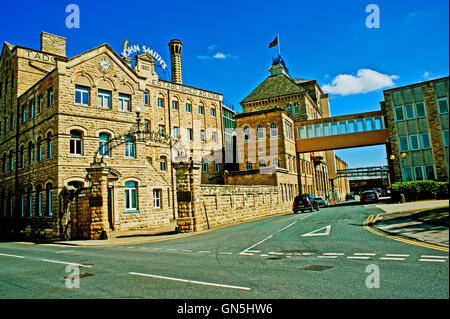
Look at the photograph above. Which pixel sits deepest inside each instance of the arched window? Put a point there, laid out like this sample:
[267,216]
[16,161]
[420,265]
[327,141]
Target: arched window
[4,163]
[49,199]
[130,147]
[11,160]
[30,153]
[102,144]
[259,132]
[246,133]
[49,145]
[289,108]
[273,130]
[39,149]
[22,157]
[131,195]
[39,200]
[76,142]
[163,163]
[75,184]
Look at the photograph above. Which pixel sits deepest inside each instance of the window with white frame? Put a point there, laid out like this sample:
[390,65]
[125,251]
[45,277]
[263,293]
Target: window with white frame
[418,173]
[188,107]
[175,105]
[157,198]
[403,143]
[146,98]
[103,145]
[425,141]
[104,98]
[398,111]
[249,165]
[130,146]
[160,102]
[82,94]
[273,130]
[163,163]
[445,137]
[259,132]
[76,142]
[420,109]
[409,110]
[131,195]
[443,105]
[414,142]
[124,102]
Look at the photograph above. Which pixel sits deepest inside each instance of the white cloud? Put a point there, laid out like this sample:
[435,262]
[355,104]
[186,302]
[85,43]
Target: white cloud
[217,55]
[426,74]
[365,81]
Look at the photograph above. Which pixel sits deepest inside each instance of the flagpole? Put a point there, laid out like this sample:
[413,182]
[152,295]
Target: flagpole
[279,50]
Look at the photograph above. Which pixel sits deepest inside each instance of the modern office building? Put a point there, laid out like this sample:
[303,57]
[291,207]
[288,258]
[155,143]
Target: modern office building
[418,122]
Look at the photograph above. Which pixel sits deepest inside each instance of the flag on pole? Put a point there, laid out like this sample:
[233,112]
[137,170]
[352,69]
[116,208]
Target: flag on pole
[274,42]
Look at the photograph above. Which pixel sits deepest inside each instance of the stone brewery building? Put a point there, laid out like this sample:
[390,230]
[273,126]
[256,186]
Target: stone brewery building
[93,144]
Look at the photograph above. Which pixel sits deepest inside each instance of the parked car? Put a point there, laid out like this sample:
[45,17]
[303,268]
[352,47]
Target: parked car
[321,201]
[305,202]
[368,196]
[349,196]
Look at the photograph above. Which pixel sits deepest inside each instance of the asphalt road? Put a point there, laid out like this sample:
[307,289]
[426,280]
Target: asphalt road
[325,254]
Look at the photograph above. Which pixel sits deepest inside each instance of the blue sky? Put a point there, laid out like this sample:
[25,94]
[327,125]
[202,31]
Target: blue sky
[225,43]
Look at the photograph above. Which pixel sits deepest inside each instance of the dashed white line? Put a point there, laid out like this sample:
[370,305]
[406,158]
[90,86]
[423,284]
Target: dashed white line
[64,251]
[333,254]
[189,281]
[365,254]
[433,260]
[432,256]
[187,250]
[225,253]
[397,255]
[358,257]
[14,256]
[392,258]
[204,252]
[328,256]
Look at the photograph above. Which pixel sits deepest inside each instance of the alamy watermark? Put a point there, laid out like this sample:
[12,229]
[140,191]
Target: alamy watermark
[373,19]
[73,280]
[373,279]
[73,19]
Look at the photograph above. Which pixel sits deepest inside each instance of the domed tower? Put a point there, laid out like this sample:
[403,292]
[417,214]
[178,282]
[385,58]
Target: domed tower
[175,60]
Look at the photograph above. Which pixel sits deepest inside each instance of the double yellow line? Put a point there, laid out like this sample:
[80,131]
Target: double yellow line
[372,218]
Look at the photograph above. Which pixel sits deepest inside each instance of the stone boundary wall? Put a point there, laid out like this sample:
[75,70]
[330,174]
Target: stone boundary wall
[227,204]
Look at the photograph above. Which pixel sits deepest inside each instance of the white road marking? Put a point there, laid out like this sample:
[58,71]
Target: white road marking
[392,258]
[431,256]
[329,256]
[204,252]
[364,254]
[260,242]
[65,263]
[189,281]
[187,250]
[64,251]
[315,232]
[396,255]
[358,257]
[171,249]
[253,251]
[243,253]
[15,256]
[225,253]
[333,254]
[433,260]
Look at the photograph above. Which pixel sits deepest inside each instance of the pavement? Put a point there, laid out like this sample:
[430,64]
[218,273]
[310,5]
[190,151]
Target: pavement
[395,221]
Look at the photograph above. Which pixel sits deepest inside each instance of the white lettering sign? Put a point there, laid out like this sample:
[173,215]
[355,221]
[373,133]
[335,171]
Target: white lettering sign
[135,48]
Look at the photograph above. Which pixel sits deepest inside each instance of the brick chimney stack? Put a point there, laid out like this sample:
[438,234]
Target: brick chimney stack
[175,60]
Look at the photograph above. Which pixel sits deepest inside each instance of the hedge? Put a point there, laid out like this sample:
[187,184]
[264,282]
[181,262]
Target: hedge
[420,190]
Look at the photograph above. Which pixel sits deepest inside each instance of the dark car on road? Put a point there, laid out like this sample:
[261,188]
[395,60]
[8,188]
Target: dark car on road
[349,196]
[369,196]
[305,202]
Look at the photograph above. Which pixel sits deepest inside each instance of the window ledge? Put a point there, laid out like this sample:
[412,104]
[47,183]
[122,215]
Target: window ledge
[132,211]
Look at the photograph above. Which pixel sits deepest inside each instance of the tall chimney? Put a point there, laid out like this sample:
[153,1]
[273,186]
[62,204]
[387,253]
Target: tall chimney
[175,60]
[53,44]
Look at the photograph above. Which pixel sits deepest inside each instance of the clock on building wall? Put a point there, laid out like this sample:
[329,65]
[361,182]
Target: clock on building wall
[104,65]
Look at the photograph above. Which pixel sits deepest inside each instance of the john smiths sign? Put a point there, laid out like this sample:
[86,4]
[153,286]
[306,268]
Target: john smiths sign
[136,48]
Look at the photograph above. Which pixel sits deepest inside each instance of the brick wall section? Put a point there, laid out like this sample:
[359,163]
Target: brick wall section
[227,204]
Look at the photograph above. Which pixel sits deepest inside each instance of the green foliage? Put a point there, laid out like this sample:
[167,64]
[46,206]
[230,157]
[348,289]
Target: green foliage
[420,190]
